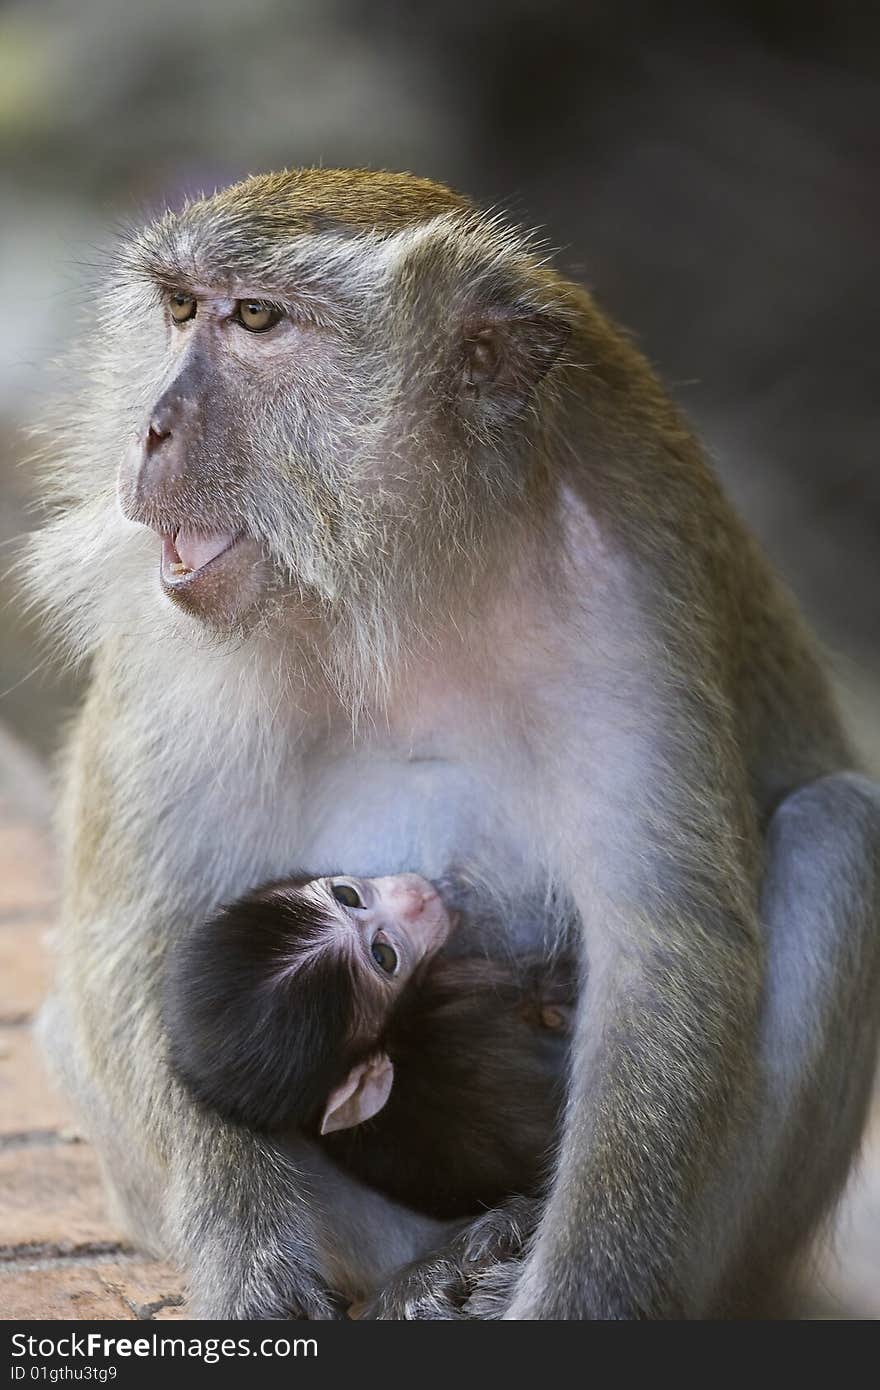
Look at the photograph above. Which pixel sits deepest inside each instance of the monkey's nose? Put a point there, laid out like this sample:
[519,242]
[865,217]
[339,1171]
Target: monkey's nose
[158,432]
[407,895]
[414,900]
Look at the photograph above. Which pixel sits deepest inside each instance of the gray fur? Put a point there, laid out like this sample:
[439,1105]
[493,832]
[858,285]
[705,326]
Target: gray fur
[513,626]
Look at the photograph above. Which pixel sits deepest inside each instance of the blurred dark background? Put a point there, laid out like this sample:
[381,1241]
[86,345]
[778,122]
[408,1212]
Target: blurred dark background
[710,170]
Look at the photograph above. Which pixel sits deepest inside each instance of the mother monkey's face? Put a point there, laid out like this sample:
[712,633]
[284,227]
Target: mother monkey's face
[335,377]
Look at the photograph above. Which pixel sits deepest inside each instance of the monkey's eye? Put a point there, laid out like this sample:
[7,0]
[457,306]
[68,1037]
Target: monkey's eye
[256,315]
[384,955]
[182,307]
[345,894]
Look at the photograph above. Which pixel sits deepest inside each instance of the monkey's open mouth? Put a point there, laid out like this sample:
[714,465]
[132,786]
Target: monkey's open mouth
[185,555]
[218,577]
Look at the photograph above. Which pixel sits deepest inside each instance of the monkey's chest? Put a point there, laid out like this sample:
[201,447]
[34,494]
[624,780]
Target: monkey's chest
[370,814]
[376,813]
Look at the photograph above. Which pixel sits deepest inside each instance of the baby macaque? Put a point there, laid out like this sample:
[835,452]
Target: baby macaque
[322,1003]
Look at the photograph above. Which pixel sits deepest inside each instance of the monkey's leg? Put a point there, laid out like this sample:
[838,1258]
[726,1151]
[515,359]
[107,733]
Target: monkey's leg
[819,1035]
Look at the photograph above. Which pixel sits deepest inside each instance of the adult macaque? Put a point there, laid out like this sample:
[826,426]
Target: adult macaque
[391,552]
[320,1004]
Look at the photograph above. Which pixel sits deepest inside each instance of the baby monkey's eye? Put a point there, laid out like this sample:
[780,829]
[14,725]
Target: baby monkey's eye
[384,955]
[182,306]
[345,894]
[256,315]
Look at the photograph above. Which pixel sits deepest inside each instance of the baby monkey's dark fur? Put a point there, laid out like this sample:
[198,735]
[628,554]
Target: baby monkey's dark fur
[261,1044]
[479,1049]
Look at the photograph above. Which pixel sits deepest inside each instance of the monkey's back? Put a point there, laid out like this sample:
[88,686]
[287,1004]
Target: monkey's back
[480,1053]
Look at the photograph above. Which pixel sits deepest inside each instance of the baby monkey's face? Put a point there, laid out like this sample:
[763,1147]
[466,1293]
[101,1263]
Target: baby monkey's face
[389,926]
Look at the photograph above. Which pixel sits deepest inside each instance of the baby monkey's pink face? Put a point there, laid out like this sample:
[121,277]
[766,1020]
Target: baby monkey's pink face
[398,922]
[387,927]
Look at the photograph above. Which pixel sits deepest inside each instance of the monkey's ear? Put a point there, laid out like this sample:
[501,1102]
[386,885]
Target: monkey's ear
[508,352]
[360,1096]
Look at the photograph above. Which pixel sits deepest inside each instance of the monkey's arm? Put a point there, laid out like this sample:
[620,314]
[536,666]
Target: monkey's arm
[663,1058]
[255,1245]
[621,1240]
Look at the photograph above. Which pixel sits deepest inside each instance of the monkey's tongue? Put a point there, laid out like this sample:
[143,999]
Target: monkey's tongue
[188,551]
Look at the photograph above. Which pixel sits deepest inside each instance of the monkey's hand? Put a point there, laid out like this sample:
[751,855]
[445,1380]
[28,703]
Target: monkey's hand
[470,1277]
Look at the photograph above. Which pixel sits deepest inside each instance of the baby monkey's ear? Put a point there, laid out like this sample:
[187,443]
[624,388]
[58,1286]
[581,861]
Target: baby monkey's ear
[361,1095]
